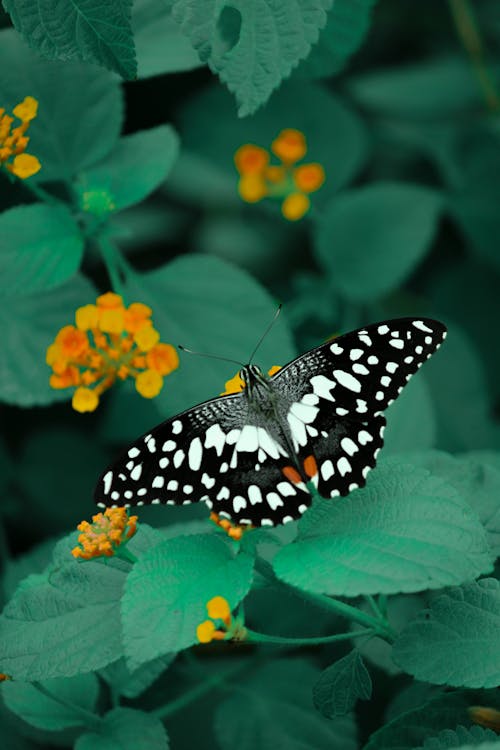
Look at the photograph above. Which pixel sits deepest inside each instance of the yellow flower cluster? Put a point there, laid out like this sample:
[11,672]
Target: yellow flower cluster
[103,536]
[109,342]
[220,621]
[286,181]
[13,141]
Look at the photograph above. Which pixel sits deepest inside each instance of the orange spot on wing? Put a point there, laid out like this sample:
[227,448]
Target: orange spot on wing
[292,474]
[310,466]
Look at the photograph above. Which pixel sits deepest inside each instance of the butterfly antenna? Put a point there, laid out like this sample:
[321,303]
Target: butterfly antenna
[273,321]
[210,356]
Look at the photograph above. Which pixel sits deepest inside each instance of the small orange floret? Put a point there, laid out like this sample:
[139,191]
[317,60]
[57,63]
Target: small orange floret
[149,383]
[86,317]
[109,301]
[111,320]
[309,177]
[252,188]
[146,337]
[4,677]
[72,343]
[292,474]
[218,608]
[290,145]
[163,358]
[250,159]
[310,466]
[136,315]
[232,530]
[295,206]
[486,717]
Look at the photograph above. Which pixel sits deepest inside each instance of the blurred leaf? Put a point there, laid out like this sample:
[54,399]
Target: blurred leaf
[40,247]
[132,684]
[335,135]
[414,694]
[476,478]
[138,164]
[161,47]
[252,47]
[341,685]
[210,306]
[274,711]
[347,25]
[27,702]
[127,729]
[463,739]
[347,548]
[70,132]
[443,87]
[18,568]
[29,324]
[458,389]
[78,30]
[411,729]
[161,610]
[411,424]
[455,641]
[369,240]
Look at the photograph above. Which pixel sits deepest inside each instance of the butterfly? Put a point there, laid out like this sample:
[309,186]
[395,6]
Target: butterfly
[251,455]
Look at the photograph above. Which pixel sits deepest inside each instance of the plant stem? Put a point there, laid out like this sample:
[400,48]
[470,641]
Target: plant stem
[470,36]
[111,259]
[90,720]
[125,554]
[262,638]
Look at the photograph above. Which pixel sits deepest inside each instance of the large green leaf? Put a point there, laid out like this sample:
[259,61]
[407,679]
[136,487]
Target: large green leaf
[126,729]
[413,728]
[341,685]
[462,739]
[131,684]
[162,609]
[369,240]
[70,132]
[29,324]
[160,45]
[335,135]
[40,248]
[274,711]
[53,714]
[405,531]
[347,25]
[78,30]
[252,46]
[137,165]
[210,306]
[455,641]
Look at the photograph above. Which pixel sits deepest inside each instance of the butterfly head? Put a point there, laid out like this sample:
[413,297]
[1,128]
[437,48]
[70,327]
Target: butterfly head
[253,377]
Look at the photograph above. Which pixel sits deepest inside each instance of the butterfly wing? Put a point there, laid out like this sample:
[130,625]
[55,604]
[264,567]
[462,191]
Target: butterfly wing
[209,453]
[333,396]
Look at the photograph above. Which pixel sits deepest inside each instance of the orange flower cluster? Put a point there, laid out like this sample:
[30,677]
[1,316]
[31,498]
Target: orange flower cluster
[219,624]
[13,141]
[287,182]
[109,342]
[105,534]
[231,529]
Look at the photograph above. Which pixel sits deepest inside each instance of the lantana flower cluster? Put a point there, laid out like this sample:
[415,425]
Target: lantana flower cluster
[109,342]
[13,141]
[221,625]
[287,181]
[105,534]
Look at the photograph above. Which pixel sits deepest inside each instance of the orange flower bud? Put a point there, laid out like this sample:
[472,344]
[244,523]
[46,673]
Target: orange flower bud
[205,631]
[72,342]
[109,301]
[218,608]
[309,177]
[163,358]
[135,316]
[250,159]
[149,383]
[290,146]
[295,206]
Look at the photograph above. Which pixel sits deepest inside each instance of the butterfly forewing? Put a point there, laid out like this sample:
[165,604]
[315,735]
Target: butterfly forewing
[249,456]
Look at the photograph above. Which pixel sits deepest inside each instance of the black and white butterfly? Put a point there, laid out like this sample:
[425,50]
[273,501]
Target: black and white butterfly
[250,455]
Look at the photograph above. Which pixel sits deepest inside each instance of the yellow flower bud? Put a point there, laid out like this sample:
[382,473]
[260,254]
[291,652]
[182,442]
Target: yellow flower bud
[24,165]
[149,383]
[205,631]
[85,399]
[218,608]
[86,317]
[295,206]
[252,188]
[146,337]
[27,109]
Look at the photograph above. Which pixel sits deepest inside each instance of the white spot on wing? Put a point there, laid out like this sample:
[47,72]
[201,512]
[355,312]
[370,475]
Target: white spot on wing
[107,479]
[133,452]
[344,466]
[336,349]
[421,326]
[397,343]
[248,441]
[322,386]
[327,470]
[286,489]
[347,380]
[176,426]
[215,438]
[158,482]
[178,458]
[169,445]
[195,454]
[274,500]
[349,446]
[136,472]
[254,494]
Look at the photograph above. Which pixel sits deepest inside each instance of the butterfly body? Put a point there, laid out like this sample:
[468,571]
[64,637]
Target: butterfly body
[250,456]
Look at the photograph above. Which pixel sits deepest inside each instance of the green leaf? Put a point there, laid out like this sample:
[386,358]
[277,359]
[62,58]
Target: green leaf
[252,46]
[441,87]
[369,240]
[455,641]
[335,134]
[274,711]
[161,46]
[70,132]
[126,729]
[161,610]
[53,714]
[210,306]
[40,248]
[137,165]
[132,684]
[78,30]
[341,685]
[347,25]
[411,423]
[464,739]
[18,568]
[405,531]
[29,324]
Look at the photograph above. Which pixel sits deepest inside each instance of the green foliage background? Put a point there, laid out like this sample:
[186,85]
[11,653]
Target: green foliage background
[374,622]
